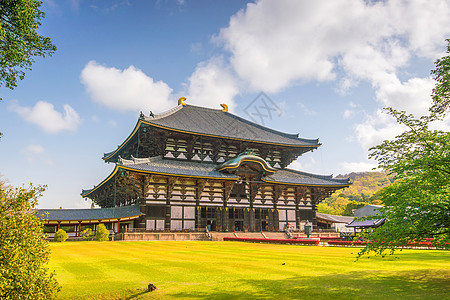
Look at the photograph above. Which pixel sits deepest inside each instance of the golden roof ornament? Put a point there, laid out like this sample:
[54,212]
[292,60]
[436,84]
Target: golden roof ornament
[225,107]
[181,101]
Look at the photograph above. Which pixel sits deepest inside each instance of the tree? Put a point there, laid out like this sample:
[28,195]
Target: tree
[61,236]
[24,252]
[350,207]
[102,233]
[20,42]
[418,204]
[87,234]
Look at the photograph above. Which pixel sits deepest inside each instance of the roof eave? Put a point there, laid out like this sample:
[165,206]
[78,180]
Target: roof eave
[108,157]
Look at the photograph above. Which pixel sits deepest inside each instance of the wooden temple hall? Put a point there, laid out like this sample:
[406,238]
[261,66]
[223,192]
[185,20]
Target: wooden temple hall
[192,168]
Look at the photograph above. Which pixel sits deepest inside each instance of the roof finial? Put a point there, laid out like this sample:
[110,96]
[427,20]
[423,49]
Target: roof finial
[225,107]
[181,101]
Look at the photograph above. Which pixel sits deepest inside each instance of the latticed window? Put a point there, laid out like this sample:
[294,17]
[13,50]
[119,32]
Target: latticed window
[208,212]
[261,213]
[236,213]
[264,214]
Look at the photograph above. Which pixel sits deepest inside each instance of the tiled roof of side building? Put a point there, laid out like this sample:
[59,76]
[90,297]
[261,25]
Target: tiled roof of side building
[215,122]
[89,214]
[366,223]
[334,218]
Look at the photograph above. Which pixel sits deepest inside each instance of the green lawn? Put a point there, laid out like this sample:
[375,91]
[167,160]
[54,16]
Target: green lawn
[234,270]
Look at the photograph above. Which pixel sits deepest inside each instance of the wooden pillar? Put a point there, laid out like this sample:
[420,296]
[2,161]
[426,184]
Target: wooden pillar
[225,219]
[79,229]
[197,216]
[198,194]
[228,186]
[276,220]
[314,211]
[59,225]
[168,213]
[118,225]
[252,219]
[170,185]
[270,221]
[218,216]
[298,198]
[246,219]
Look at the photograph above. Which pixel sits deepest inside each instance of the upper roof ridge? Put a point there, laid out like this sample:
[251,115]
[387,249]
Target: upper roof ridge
[154,117]
[162,115]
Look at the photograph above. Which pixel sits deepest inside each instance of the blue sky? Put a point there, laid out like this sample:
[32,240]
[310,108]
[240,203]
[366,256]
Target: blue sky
[328,66]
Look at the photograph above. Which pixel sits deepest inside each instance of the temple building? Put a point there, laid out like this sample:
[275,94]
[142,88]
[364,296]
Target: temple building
[193,168]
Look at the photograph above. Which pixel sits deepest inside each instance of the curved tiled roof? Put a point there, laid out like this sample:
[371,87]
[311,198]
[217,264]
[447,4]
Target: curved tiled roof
[89,214]
[289,176]
[215,122]
[334,218]
[174,167]
[366,223]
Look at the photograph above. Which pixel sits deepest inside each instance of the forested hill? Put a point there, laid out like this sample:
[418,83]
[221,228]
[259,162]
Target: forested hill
[360,193]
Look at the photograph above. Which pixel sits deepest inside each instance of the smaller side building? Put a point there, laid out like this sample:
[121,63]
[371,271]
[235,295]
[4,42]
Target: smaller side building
[369,210]
[338,223]
[74,221]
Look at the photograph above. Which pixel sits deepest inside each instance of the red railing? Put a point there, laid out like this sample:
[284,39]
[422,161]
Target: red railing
[274,241]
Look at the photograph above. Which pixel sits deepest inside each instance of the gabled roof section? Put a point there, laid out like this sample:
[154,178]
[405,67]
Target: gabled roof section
[93,214]
[246,157]
[217,123]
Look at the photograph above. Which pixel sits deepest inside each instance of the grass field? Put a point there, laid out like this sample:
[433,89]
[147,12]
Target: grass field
[235,270]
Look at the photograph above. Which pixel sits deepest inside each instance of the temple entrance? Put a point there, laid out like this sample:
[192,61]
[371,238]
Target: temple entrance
[238,225]
[264,226]
[211,225]
[208,217]
[236,217]
[261,219]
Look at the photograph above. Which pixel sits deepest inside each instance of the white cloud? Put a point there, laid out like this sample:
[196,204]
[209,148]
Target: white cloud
[348,113]
[212,84]
[45,116]
[412,95]
[303,164]
[35,151]
[275,44]
[376,129]
[129,89]
[112,123]
[357,166]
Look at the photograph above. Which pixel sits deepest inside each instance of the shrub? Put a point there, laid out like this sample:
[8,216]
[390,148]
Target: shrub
[61,236]
[24,252]
[87,234]
[102,233]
